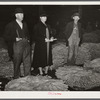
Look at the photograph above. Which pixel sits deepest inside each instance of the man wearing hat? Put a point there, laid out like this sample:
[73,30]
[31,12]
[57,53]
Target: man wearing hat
[17,33]
[42,58]
[73,36]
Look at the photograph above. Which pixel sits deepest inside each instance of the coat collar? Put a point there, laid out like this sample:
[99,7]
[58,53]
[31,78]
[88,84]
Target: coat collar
[17,25]
[72,23]
[42,24]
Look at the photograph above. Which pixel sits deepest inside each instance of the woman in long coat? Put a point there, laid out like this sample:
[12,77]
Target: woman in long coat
[43,52]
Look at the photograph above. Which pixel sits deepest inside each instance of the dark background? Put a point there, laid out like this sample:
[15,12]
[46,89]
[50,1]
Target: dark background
[58,15]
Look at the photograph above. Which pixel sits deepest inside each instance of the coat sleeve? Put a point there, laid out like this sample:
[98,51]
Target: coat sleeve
[66,31]
[36,36]
[80,33]
[50,31]
[8,36]
[27,32]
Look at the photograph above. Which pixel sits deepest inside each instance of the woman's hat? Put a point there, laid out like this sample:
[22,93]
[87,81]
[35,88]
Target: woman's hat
[43,13]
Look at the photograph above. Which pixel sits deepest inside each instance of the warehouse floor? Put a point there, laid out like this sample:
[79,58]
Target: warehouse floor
[4,81]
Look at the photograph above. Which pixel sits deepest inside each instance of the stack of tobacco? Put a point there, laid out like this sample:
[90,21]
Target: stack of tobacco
[36,83]
[78,78]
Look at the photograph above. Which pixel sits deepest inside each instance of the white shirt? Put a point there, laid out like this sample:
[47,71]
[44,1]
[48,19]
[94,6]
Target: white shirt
[19,23]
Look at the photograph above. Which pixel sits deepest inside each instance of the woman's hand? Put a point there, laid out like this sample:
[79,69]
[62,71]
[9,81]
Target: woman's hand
[52,39]
[47,40]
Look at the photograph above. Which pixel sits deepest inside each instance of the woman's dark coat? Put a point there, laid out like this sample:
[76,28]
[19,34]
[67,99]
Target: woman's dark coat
[68,31]
[40,51]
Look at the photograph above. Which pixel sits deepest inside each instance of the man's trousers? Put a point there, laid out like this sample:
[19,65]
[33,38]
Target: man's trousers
[21,55]
[73,51]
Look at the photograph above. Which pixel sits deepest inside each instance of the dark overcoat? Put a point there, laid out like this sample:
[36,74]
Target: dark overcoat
[68,31]
[40,51]
[10,34]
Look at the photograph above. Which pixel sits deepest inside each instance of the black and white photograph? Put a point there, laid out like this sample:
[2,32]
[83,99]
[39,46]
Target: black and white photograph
[49,47]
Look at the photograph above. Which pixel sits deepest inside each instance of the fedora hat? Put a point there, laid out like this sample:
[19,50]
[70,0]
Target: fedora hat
[18,10]
[75,14]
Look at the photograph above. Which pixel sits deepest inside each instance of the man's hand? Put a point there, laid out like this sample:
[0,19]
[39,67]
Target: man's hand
[18,39]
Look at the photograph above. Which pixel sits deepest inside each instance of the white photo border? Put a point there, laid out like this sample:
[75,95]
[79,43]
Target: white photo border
[49,94]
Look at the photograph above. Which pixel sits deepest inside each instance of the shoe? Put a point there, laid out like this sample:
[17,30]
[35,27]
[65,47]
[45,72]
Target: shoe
[34,72]
[52,74]
[44,74]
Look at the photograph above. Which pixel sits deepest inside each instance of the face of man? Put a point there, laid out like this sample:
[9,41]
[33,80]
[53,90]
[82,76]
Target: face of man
[19,16]
[43,18]
[76,18]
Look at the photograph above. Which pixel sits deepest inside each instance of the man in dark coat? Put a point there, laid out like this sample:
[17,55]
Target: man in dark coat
[17,33]
[43,52]
[73,37]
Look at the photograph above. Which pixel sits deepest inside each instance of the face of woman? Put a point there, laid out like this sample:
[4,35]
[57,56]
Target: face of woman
[43,18]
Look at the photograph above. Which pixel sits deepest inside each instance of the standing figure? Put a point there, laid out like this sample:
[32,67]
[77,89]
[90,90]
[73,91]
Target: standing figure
[17,32]
[73,36]
[42,58]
